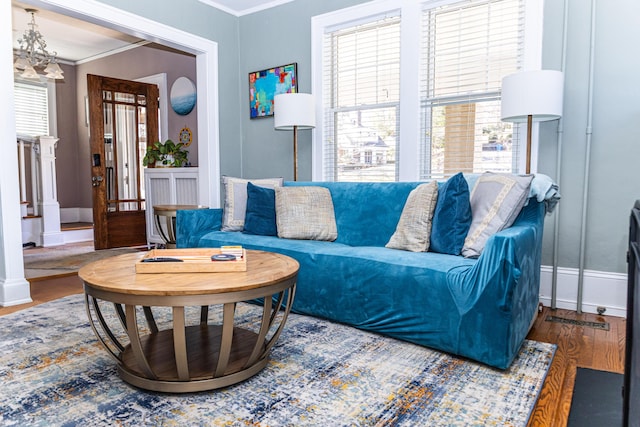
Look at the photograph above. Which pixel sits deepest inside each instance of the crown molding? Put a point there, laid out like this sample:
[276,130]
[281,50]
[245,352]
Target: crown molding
[247,11]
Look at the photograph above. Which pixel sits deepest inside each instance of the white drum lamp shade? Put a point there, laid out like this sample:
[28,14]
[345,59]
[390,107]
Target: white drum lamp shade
[293,111]
[532,96]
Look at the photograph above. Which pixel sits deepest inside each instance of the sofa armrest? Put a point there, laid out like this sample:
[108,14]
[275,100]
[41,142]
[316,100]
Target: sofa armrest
[499,296]
[191,225]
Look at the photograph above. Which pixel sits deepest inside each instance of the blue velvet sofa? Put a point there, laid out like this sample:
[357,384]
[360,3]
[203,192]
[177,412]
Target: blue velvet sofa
[479,308]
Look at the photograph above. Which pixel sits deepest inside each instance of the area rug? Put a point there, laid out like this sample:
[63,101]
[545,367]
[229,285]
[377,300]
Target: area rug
[54,373]
[50,261]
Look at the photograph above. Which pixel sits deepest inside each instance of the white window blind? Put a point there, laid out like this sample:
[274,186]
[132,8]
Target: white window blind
[32,109]
[467,48]
[361,100]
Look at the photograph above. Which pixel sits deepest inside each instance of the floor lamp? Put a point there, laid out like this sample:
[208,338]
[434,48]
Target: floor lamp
[532,96]
[293,111]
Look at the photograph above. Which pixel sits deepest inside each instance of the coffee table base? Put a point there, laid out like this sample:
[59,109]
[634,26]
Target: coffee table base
[203,344]
[187,358]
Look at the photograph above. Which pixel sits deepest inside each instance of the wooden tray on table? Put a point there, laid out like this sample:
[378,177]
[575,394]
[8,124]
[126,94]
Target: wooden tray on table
[191,261]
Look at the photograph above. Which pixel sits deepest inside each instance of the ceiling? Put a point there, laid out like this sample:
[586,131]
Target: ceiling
[77,41]
[72,39]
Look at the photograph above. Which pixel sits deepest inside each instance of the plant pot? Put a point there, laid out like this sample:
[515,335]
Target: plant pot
[168,158]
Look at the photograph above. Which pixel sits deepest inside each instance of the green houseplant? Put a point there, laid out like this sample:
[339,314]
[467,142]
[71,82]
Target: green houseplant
[166,154]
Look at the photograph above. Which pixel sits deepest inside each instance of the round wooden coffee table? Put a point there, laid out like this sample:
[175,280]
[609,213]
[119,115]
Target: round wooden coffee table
[187,358]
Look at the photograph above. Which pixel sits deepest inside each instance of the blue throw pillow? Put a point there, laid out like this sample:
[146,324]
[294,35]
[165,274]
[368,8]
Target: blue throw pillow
[260,217]
[452,216]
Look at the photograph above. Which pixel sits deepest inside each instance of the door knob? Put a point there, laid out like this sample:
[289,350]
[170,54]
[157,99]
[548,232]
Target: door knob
[96,180]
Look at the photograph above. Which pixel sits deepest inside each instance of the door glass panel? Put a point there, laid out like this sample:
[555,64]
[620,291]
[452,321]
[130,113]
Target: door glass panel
[106,95]
[142,145]
[108,152]
[126,152]
[124,97]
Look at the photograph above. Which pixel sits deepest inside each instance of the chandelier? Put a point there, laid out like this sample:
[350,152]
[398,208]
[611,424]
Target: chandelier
[33,53]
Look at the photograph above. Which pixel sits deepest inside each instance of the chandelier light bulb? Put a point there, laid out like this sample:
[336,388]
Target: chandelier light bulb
[30,73]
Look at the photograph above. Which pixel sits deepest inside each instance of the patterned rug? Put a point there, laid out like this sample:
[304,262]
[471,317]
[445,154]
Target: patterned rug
[54,373]
[64,259]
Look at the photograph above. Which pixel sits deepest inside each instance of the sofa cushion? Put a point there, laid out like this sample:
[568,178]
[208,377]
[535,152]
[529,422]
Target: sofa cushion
[305,213]
[414,227]
[496,201]
[235,199]
[260,216]
[366,213]
[452,216]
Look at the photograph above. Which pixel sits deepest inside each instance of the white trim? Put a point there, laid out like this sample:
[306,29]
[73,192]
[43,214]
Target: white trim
[14,288]
[409,93]
[111,52]
[160,80]
[247,11]
[13,291]
[68,215]
[76,236]
[601,289]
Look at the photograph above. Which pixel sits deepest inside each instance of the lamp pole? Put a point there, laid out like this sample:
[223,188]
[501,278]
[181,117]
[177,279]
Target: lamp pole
[529,126]
[295,152]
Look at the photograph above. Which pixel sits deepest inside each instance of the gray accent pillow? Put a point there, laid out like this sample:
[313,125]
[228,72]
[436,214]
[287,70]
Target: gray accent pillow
[496,201]
[305,213]
[235,199]
[414,227]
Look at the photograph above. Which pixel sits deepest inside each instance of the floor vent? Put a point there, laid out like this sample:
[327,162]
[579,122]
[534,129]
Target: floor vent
[596,325]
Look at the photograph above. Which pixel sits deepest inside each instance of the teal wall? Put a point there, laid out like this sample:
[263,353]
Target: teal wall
[252,148]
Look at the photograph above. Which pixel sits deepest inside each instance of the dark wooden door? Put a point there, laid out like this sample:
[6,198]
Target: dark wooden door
[123,119]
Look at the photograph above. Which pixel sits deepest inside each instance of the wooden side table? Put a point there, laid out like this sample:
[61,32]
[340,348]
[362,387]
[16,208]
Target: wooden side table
[169,212]
[179,357]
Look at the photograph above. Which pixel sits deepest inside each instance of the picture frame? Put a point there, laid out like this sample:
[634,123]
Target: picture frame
[265,84]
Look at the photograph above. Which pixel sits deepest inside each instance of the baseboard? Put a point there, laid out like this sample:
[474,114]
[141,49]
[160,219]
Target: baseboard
[76,236]
[76,215]
[600,289]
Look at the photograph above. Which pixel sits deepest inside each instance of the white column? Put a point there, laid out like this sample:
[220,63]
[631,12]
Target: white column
[14,289]
[48,205]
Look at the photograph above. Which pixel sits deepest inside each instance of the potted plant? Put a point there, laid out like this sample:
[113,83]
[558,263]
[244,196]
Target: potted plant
[165,154]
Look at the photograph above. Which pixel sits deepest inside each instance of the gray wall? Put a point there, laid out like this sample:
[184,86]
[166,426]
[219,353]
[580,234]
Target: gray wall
[67,159]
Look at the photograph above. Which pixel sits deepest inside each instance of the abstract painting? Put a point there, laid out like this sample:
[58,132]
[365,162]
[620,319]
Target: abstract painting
[264,85]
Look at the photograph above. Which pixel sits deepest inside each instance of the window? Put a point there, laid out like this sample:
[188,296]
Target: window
[411,90]
[32,108]
[361,99]
[467,48]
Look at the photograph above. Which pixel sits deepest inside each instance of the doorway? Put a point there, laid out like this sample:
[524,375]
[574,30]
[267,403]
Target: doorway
[123,118]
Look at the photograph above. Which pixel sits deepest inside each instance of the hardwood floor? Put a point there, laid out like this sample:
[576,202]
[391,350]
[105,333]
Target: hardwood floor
[47,289]
[578,345]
